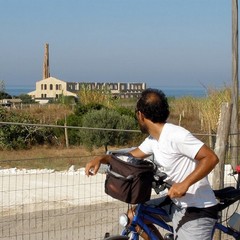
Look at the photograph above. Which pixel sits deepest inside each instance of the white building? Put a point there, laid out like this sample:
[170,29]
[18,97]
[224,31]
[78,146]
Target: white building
[52,88]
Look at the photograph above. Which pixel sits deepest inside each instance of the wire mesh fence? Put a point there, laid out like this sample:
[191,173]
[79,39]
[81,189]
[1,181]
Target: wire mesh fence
[60,204]
[46,204]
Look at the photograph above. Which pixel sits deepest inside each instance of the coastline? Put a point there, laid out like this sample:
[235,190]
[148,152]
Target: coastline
[18,90]
[169,91]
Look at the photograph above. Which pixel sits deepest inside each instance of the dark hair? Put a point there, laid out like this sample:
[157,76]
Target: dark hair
[154,105]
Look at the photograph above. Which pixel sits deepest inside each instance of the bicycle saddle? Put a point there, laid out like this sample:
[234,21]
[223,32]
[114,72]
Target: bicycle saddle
[227,196]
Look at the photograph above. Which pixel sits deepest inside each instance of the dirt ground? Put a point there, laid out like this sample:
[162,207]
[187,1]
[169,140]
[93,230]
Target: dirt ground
[75,223]
[47,157]
[44,151]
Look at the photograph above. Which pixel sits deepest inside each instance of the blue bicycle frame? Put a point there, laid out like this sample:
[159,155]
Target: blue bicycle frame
[227,230]
[147,213]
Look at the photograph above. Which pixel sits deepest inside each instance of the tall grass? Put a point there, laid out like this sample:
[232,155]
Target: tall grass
[100,96]
[46,113]
[210,107]
[200,113]
[184,109]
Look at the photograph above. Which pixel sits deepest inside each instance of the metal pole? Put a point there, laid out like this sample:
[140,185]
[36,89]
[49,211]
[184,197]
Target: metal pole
[234,118]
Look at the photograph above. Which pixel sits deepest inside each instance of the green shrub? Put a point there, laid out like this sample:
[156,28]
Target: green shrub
[26,98]
[82,109]
[13,136]
[105,119]
[73,136]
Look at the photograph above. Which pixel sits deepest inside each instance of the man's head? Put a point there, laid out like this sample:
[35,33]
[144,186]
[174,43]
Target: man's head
[153,105]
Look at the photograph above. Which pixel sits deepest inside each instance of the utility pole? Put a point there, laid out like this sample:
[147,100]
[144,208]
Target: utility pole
[235,92]
[46,70]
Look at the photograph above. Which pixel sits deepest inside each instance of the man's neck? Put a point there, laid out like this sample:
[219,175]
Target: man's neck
[155,130]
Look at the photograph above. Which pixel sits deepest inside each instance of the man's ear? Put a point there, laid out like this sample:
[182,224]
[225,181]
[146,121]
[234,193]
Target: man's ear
[141,116]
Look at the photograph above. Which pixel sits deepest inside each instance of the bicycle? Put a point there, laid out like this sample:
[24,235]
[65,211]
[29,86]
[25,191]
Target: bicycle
[226,197]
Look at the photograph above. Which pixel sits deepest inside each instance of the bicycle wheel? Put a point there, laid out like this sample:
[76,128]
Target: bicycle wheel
[117,237]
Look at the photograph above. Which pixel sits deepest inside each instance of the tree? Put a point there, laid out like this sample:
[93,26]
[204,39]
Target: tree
[26,98]
[127,123]
[4,95]
[105,119]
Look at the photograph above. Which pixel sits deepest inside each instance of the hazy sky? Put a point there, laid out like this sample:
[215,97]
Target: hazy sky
[161,42]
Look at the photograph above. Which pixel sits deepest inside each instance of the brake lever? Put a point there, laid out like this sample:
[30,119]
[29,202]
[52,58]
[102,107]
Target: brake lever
[158,184]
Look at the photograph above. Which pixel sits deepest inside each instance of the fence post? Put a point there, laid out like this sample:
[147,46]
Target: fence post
[66,132]
[220,150]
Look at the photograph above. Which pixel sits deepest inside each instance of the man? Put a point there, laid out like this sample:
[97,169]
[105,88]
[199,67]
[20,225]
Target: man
[186,160]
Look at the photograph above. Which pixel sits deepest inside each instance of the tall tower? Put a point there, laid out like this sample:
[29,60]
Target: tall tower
[46,69]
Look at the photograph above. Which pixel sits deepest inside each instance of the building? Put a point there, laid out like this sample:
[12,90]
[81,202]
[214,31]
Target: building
[11,103]
[121,90]
[52,88]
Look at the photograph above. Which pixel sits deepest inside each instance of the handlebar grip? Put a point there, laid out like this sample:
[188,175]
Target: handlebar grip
[167,185]
[238,169]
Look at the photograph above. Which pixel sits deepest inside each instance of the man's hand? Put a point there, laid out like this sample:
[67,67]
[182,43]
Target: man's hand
[177,190]
[93,166]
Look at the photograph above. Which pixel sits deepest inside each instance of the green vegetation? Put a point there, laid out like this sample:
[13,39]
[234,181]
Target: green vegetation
[4,95]
[26,98]
[106,119]
[22,136]
[98,109]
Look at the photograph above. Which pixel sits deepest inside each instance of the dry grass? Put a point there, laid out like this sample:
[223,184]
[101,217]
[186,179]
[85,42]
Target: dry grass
[44,152]
[210,108]
[46,114]
[46,157]
[97,96]
[199,115]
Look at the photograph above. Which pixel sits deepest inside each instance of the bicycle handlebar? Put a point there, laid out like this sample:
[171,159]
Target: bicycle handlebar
[237,169]
[159,184]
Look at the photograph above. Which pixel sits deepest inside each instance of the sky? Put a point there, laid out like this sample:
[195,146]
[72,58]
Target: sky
[175,43]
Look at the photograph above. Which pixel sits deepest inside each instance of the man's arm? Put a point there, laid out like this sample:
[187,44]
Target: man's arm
[93,166]
[137,153]
[207,160]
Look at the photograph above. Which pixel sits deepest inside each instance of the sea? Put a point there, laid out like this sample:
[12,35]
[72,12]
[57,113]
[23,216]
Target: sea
[168,90]
[17,90]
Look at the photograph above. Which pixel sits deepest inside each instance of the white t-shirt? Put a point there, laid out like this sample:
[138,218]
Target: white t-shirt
[174,152]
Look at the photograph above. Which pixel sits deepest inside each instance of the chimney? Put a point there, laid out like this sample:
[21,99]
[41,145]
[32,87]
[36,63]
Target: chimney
[46,70]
